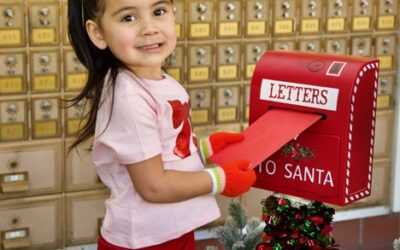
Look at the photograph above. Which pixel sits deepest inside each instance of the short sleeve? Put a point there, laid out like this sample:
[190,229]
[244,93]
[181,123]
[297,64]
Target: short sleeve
[132,132]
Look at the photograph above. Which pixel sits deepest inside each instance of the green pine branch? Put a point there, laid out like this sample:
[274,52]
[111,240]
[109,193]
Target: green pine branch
[396,244]
[239,232]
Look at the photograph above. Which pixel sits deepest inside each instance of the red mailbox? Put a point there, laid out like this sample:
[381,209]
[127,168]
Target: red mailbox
[331,161]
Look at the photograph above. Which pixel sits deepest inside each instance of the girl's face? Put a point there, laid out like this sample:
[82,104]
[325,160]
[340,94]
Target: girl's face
[141,34]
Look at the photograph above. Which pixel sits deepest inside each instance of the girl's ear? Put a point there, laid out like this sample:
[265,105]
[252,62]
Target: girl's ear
[95,34]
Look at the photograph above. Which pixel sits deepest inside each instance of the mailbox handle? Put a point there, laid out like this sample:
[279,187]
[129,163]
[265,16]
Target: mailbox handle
[15,238]
[14,182]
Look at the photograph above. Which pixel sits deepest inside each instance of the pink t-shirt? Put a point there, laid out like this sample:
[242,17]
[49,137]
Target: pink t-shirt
[148,118]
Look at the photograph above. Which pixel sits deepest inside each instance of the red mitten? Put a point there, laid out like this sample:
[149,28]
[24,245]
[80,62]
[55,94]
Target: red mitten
[216,142]
[232,178]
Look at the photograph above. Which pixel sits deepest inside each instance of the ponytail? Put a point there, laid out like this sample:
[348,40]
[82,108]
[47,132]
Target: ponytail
[97,62]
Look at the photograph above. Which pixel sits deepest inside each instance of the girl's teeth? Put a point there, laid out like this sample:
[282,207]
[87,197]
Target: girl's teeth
[150,46]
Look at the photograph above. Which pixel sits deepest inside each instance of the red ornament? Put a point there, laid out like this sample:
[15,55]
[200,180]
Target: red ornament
[281,201]
[311,244]
[327,229]
[303,240]
[263,247]
[317,219]
[282,235]
[266,237]
[265,217]
[295,233]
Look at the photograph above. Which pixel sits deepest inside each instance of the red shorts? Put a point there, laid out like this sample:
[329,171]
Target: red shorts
[185,242]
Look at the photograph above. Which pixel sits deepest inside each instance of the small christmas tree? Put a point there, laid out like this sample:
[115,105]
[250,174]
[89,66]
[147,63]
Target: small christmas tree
[396,244]
[239,232]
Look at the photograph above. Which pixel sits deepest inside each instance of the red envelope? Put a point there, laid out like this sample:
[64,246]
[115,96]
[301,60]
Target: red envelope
[266,136]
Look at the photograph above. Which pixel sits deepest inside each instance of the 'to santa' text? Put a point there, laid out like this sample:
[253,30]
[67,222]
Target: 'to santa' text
[296,172]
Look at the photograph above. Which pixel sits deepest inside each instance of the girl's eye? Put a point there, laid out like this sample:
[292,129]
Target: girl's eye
[160,12]
[128,18]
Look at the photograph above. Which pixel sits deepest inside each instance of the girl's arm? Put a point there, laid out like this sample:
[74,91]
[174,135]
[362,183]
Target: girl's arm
[157,185]
[154,184]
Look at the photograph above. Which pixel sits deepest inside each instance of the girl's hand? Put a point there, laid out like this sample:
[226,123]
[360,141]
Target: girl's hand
[232,178]
[216,142]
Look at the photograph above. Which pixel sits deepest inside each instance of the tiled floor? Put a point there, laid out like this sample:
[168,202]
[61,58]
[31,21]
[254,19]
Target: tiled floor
[374,233]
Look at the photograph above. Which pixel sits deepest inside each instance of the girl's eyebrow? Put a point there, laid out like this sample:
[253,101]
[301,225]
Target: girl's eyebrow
[162,1]
[134,8]
[123,9]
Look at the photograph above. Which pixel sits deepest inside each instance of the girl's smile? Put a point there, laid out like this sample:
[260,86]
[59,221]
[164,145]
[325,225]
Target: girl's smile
[152,44]
[151,48]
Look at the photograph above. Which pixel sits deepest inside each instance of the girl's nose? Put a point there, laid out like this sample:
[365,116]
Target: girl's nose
[149,27]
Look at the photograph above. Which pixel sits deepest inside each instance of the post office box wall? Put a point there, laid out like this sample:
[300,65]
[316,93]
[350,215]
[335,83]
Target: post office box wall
[75,75]
[74,117]
[252,53]
[84,215]
[257,17]
[337,13]
[337,45]
[180,19]
[80,173]
[44,22]
[246,102]
[219,44]
[229,57]
[361,46]
[45,71]
[14,122]
[284,45]
[46,118]
[175,64]
[201,19]
[284,17]
[385,51]
[387,15]
[200,63]
[12,23]
[228,104]
[362,15]
[13,73]
[41,164]
[23,227]
[386,94]
[387,84]
[229,18]
[64,22]
[383,134]
[310,45]
[311,16]
[202,105]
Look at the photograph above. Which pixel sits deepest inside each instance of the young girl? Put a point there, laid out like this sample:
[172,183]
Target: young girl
[144,149]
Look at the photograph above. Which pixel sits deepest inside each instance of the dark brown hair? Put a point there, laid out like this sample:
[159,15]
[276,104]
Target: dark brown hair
[97,62]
